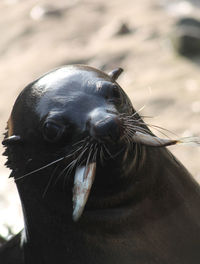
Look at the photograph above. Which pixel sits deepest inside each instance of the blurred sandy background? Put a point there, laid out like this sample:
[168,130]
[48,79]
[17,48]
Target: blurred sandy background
[36,36]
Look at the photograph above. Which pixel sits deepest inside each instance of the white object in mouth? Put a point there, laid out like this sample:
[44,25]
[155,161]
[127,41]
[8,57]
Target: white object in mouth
[83,179]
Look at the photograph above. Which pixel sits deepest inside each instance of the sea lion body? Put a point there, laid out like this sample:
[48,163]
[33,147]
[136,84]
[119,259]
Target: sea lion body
[143,206]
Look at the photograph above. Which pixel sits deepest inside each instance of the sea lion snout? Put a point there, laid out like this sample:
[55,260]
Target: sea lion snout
[104,126]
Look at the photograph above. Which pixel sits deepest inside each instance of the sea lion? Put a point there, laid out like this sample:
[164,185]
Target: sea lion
[96,186]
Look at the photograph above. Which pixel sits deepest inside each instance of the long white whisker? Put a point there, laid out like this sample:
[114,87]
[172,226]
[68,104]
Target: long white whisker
[49,182]
[41,168]
[134,114]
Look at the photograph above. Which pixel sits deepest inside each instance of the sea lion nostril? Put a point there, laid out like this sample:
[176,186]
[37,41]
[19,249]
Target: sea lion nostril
[106,129]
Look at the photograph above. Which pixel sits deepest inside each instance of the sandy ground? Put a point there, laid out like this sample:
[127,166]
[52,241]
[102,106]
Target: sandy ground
[36,38]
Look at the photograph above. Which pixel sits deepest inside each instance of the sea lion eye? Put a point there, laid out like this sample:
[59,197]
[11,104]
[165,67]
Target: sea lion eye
[52,131]
[116,93]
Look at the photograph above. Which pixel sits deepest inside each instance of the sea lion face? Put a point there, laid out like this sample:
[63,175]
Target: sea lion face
[73,114]
[68,103]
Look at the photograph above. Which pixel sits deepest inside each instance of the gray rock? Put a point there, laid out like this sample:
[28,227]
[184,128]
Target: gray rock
[186,36]
[42,11]
[123,29]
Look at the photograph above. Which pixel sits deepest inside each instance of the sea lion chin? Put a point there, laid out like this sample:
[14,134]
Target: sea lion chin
[96,185]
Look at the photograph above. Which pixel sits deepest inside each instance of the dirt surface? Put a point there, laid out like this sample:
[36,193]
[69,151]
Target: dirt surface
[37,36]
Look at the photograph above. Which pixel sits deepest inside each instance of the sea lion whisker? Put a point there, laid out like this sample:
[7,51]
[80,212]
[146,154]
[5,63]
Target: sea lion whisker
[41,168]
[129,131]
[140,129]
[68,170]
[118,152]
[138,111]
[49,164]
[151,140]
[68,156]
[105,153]
[126,136]
[122,115]
[95,151]
[128,120]
[146,137]
[49,181]
[158,128]
[78,160]
[82,152]
[130,136]
[101,155]
[134,128]
[89,155]
[136,156]
[73,152]
[83,180]
[108,152]
[81,141]
[145,116]
[74,163]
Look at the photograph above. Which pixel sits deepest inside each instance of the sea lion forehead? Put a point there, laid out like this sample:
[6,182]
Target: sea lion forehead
[66,85]
[72,77]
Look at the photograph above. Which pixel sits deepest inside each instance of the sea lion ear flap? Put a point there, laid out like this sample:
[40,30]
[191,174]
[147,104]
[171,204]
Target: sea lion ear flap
[10,140]
[114,74]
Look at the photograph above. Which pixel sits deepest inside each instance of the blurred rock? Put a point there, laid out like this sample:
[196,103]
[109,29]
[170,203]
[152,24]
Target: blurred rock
[195,3]
[122,29]
[188,22]
[40,12]
[116,28]
[186,36]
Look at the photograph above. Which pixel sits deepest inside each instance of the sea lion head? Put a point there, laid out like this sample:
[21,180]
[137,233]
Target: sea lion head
[72,125]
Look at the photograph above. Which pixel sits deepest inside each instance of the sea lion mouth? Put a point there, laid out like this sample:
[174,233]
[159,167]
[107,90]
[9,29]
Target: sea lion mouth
[85,170]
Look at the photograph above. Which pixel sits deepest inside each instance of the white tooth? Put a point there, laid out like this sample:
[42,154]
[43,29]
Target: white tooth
[83,179]
[153,141]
